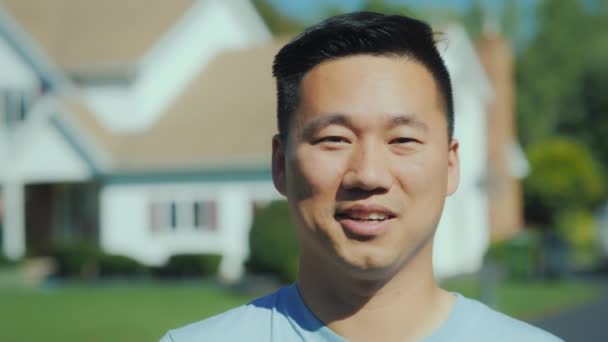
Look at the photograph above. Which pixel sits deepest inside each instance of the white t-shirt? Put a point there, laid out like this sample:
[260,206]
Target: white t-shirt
[282,316]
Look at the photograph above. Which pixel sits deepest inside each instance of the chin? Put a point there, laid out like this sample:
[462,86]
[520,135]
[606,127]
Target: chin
[371,265]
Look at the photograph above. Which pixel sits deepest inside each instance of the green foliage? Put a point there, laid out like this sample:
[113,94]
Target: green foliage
[190,265]
[76,259]
[273,243]
[4,261]
[473,19]
[83,260]
[578,227]
[519,257]
[382,6]
[277,23]
[112,265]
[564,176]
[562,76]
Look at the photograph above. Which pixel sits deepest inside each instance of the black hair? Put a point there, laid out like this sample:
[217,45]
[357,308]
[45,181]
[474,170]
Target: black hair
[356,33]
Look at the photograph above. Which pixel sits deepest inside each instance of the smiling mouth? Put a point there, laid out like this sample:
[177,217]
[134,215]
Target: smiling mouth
[370,218]
[364,222]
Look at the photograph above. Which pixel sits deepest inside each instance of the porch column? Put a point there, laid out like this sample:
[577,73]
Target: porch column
[14,220]
[235,216]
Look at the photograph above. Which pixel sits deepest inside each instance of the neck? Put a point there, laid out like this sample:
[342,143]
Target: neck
[403,306]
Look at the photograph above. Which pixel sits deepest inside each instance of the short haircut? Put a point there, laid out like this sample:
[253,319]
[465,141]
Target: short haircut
[357,33]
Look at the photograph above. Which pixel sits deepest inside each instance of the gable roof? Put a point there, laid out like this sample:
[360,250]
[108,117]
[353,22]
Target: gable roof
[79,34]
[225,118]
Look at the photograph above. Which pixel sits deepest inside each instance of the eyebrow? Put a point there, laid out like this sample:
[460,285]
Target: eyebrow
[342,120]
[407,120]
[319,123]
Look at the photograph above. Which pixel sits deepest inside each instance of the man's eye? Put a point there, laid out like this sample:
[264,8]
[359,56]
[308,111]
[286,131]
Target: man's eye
[332,139]
[403,140]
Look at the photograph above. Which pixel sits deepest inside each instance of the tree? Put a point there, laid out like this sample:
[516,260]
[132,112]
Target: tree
[278,24]
[564,178]
[551,72]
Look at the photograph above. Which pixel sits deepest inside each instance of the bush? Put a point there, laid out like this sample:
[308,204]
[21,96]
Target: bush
[85,260]
[190,265]
[111,265]
[76,259]
[564,176]
[4,261]
[273,243]
[579,228]
[519,256]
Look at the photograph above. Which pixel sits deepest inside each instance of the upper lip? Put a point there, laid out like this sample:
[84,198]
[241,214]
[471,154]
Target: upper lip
[365,209]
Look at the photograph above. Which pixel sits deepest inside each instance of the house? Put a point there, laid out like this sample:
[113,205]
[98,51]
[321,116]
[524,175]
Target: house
[97,148]
[507,164]
[154,139]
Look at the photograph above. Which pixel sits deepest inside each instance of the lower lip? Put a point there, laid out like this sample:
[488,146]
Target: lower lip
[364,228]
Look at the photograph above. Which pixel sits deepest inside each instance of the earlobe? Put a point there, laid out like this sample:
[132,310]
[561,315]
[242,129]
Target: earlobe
[453,168]
[278,164]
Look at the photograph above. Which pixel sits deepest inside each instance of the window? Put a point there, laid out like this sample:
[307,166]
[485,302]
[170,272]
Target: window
[204,215]
[15,105]
[158,217]
[194,215]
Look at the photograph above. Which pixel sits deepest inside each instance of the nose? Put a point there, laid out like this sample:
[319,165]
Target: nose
[368,169]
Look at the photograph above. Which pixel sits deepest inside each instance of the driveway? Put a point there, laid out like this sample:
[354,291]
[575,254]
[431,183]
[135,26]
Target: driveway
[588,323]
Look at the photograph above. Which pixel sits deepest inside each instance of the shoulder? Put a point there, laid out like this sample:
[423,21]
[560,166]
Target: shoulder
[232,325]
[250,322]
[496,326]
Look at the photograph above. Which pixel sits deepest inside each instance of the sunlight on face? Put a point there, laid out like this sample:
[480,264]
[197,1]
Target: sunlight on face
[369,163]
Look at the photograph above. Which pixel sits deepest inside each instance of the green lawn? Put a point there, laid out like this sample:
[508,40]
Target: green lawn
[108,313]
[144,311]
[529,300]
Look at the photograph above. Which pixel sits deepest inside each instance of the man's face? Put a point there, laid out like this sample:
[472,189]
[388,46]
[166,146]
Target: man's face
[368,164]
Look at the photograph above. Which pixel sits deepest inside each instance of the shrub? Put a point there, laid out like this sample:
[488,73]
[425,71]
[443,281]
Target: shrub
[189,265]
[579,228]
[76,259]
[519,256]
[4,261]
[564,176]
[273,243]
[112,265]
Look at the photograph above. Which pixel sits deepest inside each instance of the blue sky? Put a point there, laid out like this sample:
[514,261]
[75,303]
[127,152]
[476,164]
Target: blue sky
[312,10]
[308,9]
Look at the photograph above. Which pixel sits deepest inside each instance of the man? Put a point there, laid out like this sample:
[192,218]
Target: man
[366,158]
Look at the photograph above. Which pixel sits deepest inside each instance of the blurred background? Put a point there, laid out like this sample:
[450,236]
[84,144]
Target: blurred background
[135,189]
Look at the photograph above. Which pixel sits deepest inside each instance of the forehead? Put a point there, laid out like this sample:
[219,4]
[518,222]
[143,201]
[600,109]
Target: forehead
[366,85]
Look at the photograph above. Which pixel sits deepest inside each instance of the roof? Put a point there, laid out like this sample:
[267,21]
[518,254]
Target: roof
[75,33]
[226,117]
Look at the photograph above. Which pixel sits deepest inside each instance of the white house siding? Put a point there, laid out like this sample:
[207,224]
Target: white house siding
[41,154]
[462,235]
[126,226]
[38,154]
[15,74]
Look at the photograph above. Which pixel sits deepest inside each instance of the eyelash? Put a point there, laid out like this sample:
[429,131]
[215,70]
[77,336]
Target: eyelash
[337,139]
[332,139]
[403,140]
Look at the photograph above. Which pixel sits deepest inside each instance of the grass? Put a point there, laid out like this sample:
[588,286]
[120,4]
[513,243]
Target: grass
[107,313]
[530,300]
[144,311]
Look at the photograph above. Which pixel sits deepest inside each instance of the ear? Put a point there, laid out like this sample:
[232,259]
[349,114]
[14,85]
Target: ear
[453,168]
[278,164]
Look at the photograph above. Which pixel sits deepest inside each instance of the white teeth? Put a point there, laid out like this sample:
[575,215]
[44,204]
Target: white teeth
[372,216]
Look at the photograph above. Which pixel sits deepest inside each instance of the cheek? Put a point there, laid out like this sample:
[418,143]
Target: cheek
[314,174]
[424,176]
